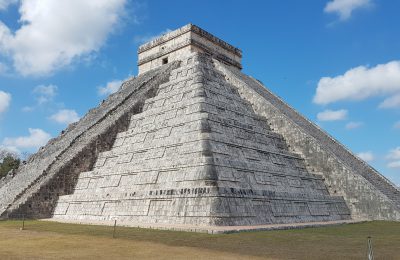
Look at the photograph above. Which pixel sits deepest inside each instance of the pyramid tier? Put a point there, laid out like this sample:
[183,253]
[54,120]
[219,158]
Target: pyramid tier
[198,154]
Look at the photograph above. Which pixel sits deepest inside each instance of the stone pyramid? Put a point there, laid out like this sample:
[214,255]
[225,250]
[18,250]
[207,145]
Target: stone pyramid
[194,141]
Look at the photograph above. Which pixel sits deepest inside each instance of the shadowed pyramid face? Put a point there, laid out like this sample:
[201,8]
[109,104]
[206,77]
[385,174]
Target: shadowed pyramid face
[199,155]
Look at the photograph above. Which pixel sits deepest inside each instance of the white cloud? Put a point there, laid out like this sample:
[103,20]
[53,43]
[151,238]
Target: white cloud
[65,116]
[391,102]
[394,154]
[45,93]
[53,34]
[141,39]
[394,157]
[111,87]
[360,83]
[332,115]
[35,139]
[353,125]
[5,100]
[5,3]
[8,151]
[344,8]
[3,68]
[395,164]
[366,156]
[27,109]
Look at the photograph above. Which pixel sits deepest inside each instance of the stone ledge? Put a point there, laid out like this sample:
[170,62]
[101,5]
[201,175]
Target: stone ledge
[187,43]
[189,27]
[212,229]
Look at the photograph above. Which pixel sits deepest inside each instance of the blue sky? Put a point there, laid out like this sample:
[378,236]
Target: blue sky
[335,61]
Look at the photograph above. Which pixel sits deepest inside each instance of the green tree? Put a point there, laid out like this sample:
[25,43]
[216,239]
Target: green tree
[8,162]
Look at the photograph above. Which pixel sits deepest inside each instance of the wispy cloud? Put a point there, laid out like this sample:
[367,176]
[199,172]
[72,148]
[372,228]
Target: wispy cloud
[332,115]
[395,164]
[394,158]
[345,8]
[65,116]
[366,156]
[391,102]
[35,139]
[27,109]
[110,87]
[45,94]
[353,125]
[5,3]
[140,39]
[394,154]
[5,100]
[3,68]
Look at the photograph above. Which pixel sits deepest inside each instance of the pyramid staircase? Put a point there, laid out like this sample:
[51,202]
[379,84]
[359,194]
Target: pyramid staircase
[199,155]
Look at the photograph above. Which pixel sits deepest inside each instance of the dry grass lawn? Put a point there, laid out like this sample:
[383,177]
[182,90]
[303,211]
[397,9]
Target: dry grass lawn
[48,240]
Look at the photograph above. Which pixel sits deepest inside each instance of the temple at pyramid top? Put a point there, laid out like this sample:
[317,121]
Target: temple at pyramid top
[182,42]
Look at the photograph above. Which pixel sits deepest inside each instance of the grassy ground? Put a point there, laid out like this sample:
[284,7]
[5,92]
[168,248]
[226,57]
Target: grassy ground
[48,240]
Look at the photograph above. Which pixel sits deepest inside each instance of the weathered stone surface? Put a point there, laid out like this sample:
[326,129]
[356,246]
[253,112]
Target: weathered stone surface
[53,171]
[196,142]
[368,194]
[181,43]
[199,155]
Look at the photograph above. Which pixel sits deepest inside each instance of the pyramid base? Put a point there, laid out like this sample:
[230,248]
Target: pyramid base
[210,229]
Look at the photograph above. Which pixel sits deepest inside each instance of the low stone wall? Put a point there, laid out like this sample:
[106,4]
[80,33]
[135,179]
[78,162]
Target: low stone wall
[54,169]
[368,194]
